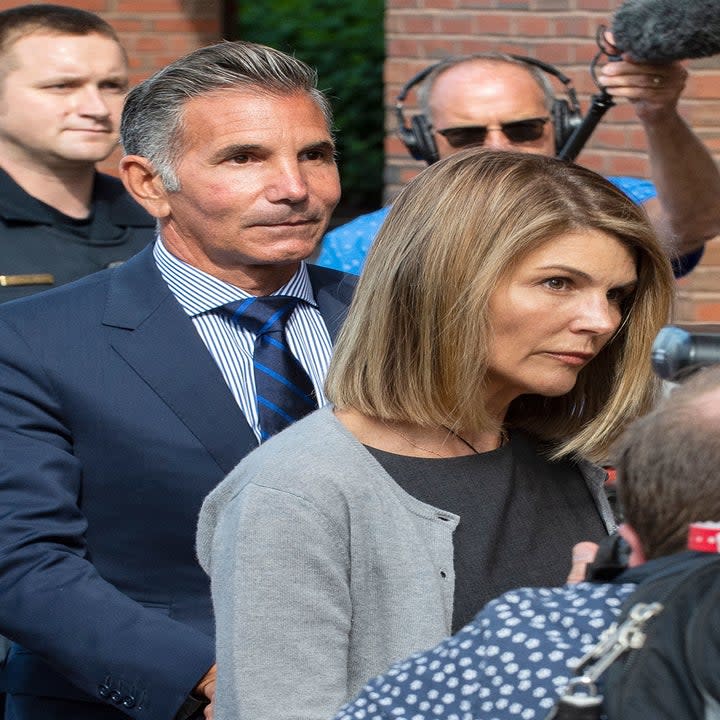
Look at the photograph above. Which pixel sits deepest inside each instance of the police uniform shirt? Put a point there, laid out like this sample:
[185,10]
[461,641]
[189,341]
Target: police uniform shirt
[41,247]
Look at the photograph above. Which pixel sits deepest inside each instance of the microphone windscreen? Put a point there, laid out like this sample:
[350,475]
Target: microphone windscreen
[661,31]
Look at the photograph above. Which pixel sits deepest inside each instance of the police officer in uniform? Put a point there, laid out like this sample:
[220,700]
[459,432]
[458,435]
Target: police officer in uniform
[63,80]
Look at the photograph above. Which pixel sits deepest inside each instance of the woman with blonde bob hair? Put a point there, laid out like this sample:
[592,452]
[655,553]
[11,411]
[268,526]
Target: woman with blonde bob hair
[498,343]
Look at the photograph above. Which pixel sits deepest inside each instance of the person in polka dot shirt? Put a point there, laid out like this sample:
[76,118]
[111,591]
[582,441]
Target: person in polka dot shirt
[512,661]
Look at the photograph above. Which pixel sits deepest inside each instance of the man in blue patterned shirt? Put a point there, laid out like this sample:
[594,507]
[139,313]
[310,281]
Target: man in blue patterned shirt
[505,103]
[518,653]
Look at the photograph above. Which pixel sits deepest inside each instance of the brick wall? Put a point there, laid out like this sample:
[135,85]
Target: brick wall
[154,33]
[561,32]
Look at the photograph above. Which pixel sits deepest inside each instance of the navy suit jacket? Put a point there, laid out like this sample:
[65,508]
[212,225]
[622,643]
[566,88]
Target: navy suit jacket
[115,423]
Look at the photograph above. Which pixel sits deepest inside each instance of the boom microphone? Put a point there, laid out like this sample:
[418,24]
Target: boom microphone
[677,353]
[661,31]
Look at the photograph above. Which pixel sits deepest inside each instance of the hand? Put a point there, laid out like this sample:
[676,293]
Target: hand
[582,555]
[206,688]
[653,89]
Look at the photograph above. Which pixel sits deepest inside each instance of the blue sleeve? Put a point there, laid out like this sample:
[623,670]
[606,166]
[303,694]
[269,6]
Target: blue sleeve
[640,191]
[637,189]
[55,602]
[346,247]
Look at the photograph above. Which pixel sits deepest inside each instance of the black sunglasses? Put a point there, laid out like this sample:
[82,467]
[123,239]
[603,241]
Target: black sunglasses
[519,131]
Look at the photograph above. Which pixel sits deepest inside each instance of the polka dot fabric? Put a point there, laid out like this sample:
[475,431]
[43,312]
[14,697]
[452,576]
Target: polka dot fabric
[509,663]
[346,247]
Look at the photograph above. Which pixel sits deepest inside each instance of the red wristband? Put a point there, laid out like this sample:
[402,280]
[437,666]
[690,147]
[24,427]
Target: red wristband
[704,536]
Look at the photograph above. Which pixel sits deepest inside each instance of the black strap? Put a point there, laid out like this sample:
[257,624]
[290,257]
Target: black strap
[192,708]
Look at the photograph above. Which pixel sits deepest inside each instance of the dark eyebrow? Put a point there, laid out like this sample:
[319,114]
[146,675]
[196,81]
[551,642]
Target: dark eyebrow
[566,268]
[228,151]
[70,75]
[323,145]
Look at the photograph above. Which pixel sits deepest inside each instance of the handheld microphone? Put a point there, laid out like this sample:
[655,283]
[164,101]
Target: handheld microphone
[677,353]
[662,31]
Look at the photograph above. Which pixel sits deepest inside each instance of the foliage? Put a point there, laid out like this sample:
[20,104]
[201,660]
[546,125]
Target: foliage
[344,40]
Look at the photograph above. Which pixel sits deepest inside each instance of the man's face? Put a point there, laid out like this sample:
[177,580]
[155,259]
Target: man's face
[258,182]
[489,94]
[61,98]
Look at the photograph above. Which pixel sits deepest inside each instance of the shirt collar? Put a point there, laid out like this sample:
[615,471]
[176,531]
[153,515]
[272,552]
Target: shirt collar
[199,292]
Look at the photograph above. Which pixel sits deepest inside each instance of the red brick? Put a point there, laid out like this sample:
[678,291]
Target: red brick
[125,25]
[150,43]
[491,24]
[169,25]
[397,47]
[477,4]
[703,86]
[146,7]
[574,26]
[536,26]
[456,23]
[438,50]
[604,5]
[441,4]
[551,5]
[707,311]
[101,7]
[629,165]
[610,136]
[421,24]
[592,162]
[400,74]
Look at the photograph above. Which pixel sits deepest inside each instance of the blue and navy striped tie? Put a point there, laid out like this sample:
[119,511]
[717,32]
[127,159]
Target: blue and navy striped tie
[283,389]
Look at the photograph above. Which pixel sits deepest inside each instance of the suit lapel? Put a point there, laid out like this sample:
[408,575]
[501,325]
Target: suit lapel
[154,336]
[333,293]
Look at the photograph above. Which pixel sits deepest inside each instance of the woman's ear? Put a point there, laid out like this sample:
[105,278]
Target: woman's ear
[144,184]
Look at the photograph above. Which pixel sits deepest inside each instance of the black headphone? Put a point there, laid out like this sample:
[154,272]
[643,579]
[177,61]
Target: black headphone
[418,137]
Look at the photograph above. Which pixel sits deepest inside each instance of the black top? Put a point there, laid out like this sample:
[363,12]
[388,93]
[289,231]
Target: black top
[520,515]
[35,238]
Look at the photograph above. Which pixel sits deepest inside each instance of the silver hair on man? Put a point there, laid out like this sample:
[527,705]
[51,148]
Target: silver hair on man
[151,123]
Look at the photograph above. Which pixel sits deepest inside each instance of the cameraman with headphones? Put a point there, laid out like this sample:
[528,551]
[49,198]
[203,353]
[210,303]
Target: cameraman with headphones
[508,102]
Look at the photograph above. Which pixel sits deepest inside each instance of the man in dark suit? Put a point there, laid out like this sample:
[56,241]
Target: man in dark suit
[125,397]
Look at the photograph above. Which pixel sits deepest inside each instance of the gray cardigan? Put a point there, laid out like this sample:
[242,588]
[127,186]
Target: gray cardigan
[324,571]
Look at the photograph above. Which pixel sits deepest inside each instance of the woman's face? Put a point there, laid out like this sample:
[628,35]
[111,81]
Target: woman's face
[554,312]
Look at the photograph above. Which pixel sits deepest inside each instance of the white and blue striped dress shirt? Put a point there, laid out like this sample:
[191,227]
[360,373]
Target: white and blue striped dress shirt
[201,295]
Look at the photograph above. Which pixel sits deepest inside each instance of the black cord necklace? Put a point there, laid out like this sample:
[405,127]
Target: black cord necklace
[503,439]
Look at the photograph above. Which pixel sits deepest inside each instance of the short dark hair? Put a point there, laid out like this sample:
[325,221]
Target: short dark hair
[25,20]
[668,465]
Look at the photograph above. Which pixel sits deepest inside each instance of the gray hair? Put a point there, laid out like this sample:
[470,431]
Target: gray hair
[152,117]
[538,75]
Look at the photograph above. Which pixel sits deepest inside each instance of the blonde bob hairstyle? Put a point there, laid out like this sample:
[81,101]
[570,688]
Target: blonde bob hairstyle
[414,347]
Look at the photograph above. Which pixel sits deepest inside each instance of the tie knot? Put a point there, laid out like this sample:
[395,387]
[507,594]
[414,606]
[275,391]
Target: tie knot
[262,315]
